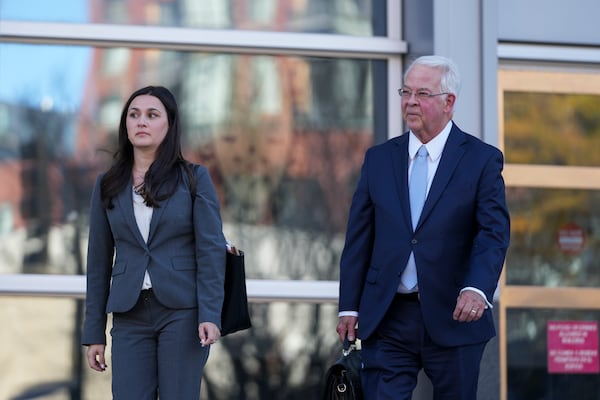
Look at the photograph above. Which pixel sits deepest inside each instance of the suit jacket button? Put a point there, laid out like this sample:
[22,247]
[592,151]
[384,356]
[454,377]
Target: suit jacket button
[414,241]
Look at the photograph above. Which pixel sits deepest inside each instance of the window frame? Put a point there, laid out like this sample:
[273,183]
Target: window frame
[388,48]
[545,77]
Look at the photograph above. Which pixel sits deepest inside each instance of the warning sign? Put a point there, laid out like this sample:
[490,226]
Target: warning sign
[570,238]
[573,347]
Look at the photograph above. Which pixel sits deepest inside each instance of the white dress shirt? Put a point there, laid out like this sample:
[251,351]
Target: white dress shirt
[143,216]
[434,147]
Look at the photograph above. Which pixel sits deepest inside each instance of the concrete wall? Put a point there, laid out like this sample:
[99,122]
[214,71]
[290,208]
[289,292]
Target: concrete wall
[466,32]
[573,22]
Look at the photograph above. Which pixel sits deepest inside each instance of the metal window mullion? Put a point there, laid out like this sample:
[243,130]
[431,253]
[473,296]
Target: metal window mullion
[233,41]
[259,290]
[549,53]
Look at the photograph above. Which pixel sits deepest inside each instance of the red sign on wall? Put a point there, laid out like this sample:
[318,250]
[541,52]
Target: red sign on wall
[573,347]
[570,238]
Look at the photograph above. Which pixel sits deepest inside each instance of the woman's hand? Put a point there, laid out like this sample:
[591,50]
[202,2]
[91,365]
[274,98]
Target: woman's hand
[209,333]
[95,357]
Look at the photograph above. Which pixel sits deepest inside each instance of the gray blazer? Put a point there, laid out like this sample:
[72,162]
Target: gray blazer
[184,255]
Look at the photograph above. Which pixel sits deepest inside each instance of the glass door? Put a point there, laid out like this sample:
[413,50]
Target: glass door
[550,288]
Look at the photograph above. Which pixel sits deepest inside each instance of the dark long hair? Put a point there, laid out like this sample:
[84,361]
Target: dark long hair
[164,174]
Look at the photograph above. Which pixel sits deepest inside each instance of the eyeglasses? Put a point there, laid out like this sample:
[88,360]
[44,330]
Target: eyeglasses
[421,94]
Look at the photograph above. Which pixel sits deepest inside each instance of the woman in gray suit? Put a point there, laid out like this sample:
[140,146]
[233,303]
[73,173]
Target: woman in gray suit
[156,258]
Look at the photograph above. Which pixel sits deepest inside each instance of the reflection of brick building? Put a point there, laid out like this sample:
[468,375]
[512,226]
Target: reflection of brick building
[42,186]
[339,153]
[114,74]
[329,160]
[273,159]
[32,167]
[245,116]
[285,171]
[11,194]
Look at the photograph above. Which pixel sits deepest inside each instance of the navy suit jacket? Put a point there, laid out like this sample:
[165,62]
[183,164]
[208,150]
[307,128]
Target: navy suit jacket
[184,255]
[460,240]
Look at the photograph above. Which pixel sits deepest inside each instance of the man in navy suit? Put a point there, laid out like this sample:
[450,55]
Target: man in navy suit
[420,287]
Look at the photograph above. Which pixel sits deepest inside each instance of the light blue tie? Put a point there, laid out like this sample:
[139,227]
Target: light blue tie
[417,191]
[417,187]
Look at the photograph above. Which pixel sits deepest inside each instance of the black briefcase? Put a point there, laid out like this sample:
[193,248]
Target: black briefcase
[342,379]
[235,315]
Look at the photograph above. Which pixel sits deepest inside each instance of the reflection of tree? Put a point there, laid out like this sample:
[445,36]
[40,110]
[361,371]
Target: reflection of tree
[552,129]
[286,352]
[42,135]
[534,257]
[273,363]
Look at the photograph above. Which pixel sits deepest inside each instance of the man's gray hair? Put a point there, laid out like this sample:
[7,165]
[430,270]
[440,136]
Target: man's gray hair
[450,81]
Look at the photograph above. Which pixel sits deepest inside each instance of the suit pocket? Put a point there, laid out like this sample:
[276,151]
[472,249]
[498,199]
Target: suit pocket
[184,263]
[119,268]
[372,275]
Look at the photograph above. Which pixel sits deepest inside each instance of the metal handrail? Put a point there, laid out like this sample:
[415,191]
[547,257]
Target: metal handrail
[259,290]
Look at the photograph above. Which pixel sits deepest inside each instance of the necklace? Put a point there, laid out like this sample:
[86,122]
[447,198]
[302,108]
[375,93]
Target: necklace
[139,189]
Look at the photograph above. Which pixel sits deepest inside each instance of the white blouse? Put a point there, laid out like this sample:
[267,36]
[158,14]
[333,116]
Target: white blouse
[143,216]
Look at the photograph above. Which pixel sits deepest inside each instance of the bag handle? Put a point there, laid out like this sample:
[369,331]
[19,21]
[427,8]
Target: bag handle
[349,346]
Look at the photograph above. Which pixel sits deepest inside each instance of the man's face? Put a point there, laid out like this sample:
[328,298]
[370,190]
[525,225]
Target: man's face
[425,116]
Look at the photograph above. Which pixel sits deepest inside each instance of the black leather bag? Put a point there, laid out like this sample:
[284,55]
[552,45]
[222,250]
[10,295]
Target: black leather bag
[235,315]
[342,379]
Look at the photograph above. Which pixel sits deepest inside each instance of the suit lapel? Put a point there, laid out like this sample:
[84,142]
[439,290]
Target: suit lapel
[157,215]
[451,156]
[124,201]
[400,170]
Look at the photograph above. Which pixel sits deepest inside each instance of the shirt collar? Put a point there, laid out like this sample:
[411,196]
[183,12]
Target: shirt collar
[434,147]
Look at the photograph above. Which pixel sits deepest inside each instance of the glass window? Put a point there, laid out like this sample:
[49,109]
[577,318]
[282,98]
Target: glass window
[284,356]
[555,240]
[283,138]
[35,10]
[41,351]
[527,357]
[552,128]
[355,17]
[549,130]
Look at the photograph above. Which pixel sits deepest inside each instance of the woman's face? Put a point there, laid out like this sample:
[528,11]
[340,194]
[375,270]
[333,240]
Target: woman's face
[147,122]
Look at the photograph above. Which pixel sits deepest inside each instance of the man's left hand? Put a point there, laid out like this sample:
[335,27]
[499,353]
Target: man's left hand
[470,306]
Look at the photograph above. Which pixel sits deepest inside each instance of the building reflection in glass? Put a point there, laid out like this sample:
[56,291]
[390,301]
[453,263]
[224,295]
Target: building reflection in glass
[536,255]
[283,138]
[321,16]
[552,128]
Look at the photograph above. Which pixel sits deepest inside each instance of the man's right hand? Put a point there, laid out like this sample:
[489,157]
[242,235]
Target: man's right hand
[95,357]
[347,325]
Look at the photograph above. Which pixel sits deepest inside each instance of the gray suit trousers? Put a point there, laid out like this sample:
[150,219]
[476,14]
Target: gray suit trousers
[156,351]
